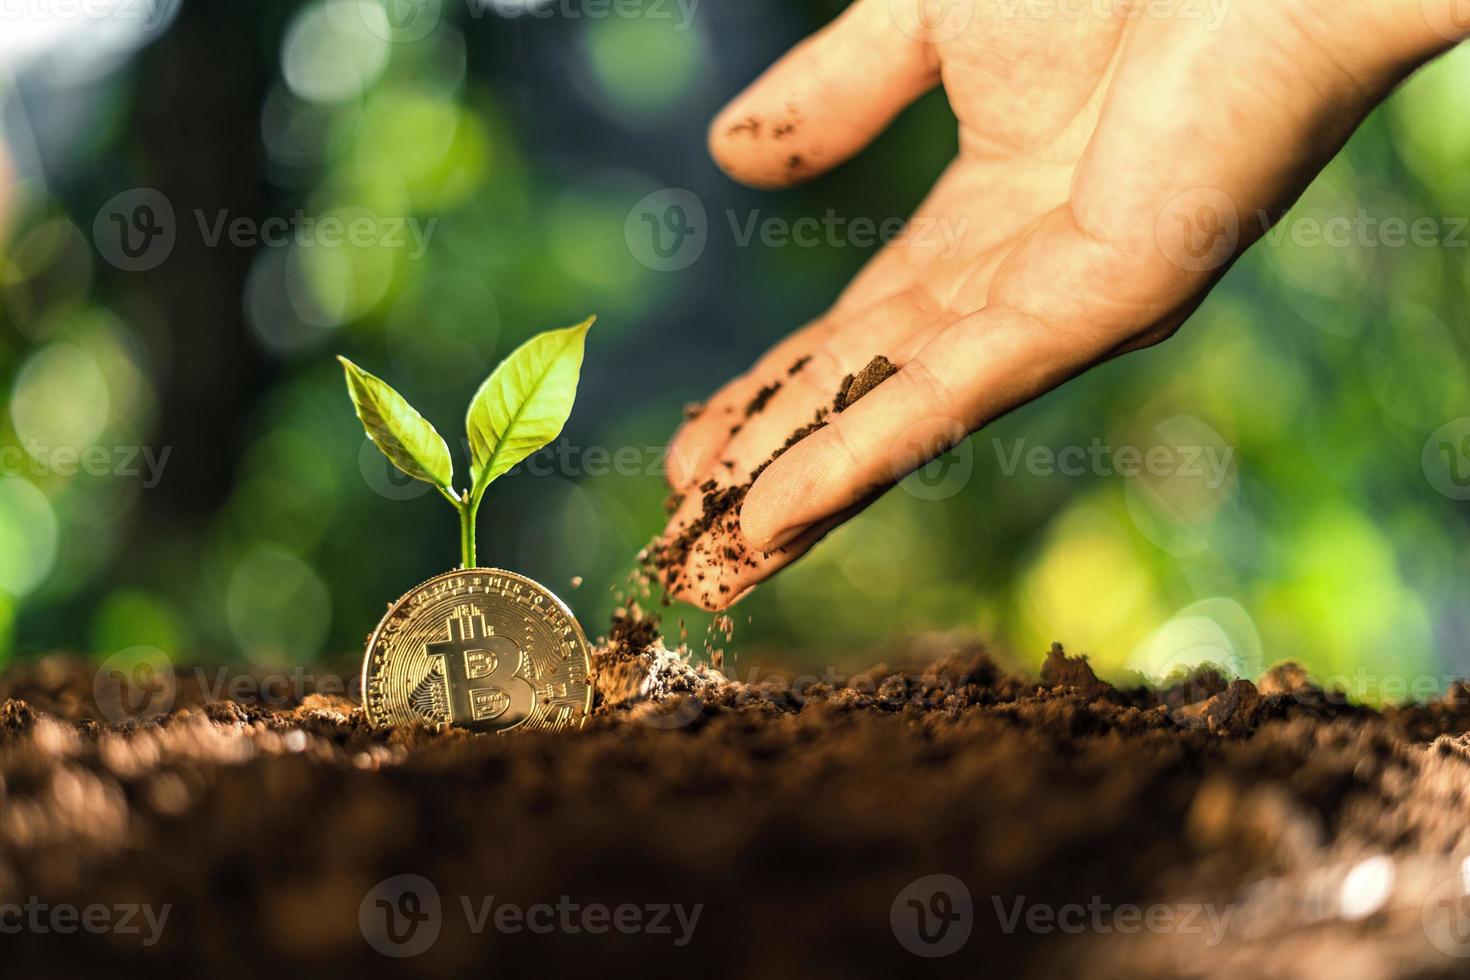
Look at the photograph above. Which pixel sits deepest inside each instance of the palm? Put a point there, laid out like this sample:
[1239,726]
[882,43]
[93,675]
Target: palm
[1024,121]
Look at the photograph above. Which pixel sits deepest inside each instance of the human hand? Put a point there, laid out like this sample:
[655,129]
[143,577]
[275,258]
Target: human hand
[1112,166]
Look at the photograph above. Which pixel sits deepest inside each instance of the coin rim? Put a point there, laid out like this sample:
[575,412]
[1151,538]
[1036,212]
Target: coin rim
[367,654]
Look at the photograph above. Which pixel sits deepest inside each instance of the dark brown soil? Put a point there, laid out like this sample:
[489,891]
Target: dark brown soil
[762,397]
[855,386]
[793,814]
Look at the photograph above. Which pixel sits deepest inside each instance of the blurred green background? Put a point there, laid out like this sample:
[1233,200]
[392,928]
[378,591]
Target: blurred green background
[527,133]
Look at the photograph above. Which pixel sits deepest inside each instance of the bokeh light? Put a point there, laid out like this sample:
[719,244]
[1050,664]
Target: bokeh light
[330,53]
[643,67]
[60,400]
[497,197]
[28,528]
[277,607]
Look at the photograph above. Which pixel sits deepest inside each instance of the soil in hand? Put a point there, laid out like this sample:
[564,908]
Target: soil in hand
[713,535]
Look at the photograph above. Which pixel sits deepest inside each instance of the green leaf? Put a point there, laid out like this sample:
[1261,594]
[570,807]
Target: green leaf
[524,403]
[403,435]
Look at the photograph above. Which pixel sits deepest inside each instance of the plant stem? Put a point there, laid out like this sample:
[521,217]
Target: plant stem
[467,530]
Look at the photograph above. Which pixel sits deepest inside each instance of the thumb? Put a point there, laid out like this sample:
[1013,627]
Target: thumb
[825,99]
[970,370]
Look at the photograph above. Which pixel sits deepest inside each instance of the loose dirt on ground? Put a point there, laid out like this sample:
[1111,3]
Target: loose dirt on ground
[1267,826]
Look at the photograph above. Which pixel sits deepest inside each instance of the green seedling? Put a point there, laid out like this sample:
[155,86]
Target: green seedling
[519,409]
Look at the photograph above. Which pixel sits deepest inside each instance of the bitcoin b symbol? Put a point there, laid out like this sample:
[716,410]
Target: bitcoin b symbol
[482,673]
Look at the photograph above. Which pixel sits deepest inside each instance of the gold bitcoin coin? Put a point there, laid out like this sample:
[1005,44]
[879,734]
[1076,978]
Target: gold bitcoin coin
[482,649]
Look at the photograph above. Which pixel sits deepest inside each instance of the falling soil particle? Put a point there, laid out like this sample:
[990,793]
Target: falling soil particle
[632,629]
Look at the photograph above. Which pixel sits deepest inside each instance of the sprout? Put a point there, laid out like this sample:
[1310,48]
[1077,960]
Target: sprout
[520,408]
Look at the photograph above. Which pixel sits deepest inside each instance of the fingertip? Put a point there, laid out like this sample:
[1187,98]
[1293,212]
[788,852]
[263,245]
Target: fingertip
[678,474]
[692,597]
[690,452]
[720,139]
[708,599]
[712,602]
[824,100]
[747,145]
